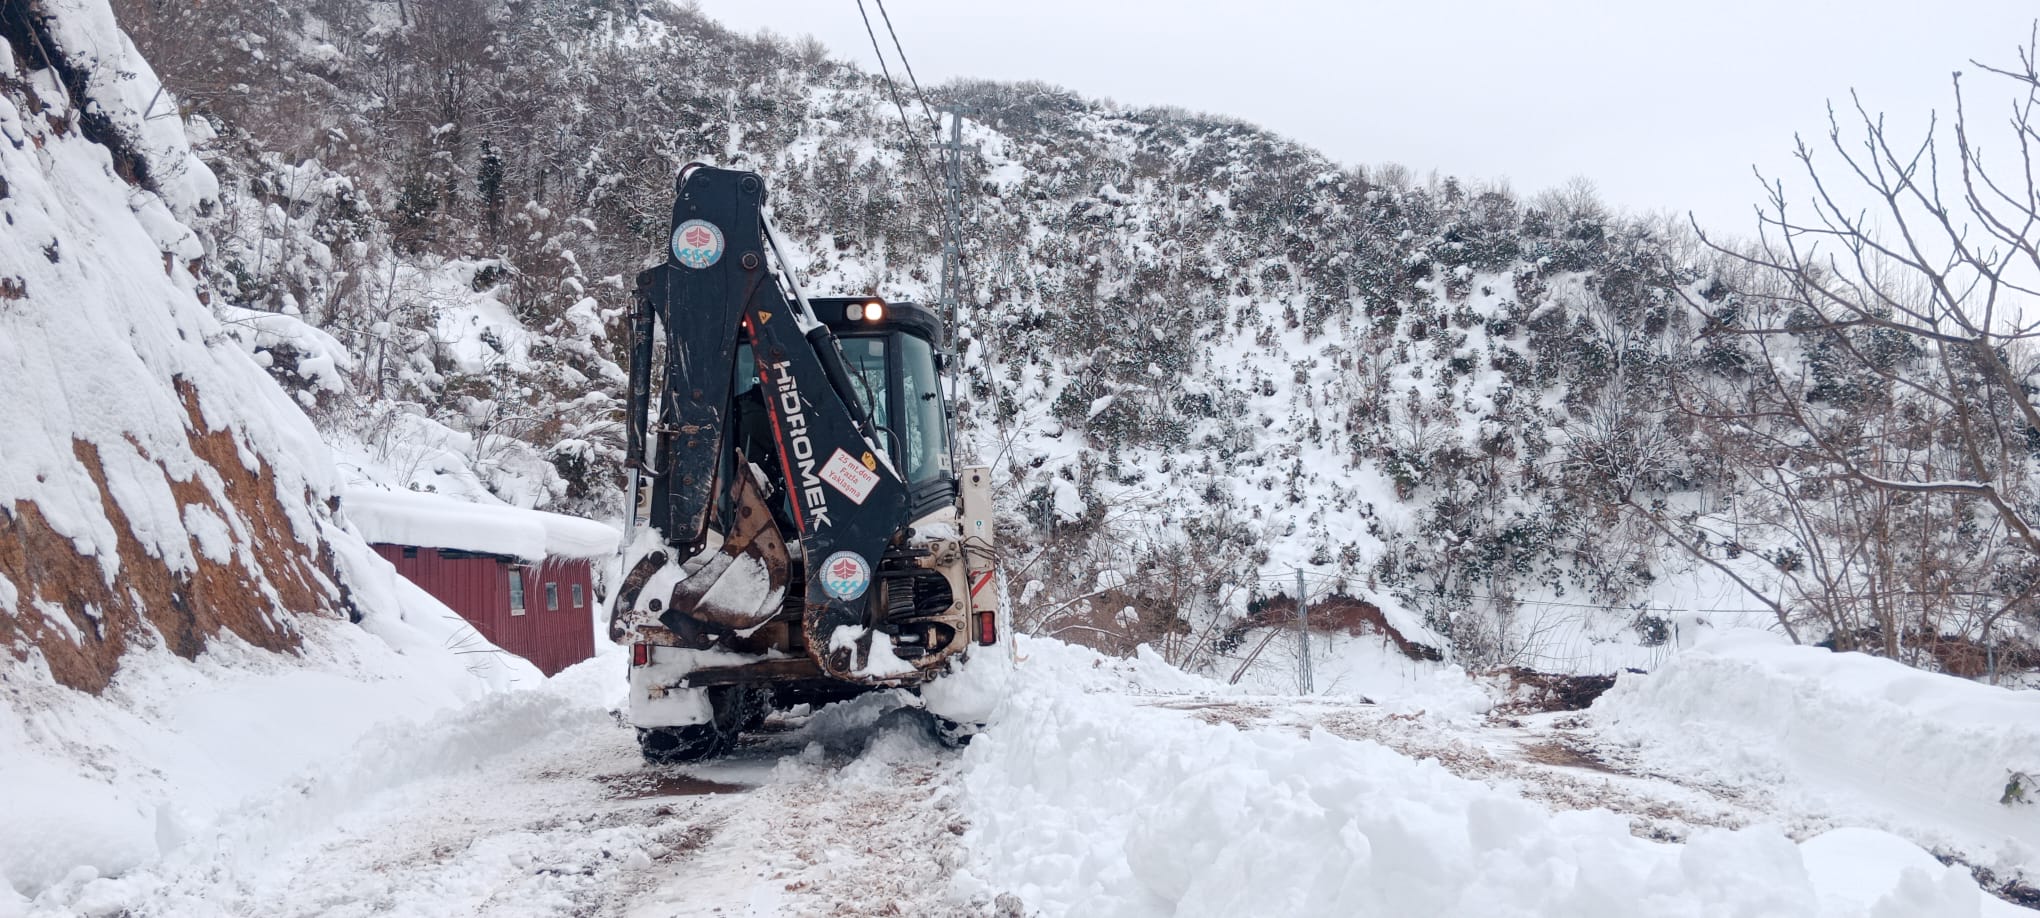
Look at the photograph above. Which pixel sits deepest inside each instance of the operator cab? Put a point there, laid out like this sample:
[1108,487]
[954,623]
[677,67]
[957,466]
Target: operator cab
[893,356]
[894,353]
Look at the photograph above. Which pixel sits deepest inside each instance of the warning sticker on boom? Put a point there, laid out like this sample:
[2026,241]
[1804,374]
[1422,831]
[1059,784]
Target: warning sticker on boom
[849,476]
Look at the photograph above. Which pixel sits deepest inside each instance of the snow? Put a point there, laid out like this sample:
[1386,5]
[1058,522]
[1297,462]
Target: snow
[122,86]
[99,786]
[882,662]
[1085,803]
[1852,865]
[321,357]
[437,521]
[95,352]
[744,589]
[1923,755]
[114,782]
[209,532]
[1096,790]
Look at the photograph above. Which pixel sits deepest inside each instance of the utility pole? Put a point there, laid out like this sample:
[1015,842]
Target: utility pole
[952,214]
[1303,674]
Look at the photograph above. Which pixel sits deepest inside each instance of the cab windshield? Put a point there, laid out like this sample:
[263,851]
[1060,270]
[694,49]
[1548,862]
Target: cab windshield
[894,376]
[927,431]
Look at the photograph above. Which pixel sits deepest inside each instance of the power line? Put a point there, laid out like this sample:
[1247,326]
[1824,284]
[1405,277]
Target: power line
[949,210]
[955,230]
[892,87]
[1331,577]
[926,109]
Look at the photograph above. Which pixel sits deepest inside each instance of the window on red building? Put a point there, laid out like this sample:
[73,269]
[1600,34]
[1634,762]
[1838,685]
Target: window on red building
[516,591]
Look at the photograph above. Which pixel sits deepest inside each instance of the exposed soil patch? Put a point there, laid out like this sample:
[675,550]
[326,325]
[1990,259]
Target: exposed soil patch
[1533,692]
[1332,612]
[1557,770]
[662,783]
[81,621]
[1565,754]
[1221,712]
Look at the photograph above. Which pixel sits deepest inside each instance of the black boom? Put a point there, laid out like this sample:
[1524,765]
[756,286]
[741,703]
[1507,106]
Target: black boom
[717,289]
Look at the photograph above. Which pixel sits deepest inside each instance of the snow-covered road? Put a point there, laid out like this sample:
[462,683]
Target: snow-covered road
[537,804]
[1105,787]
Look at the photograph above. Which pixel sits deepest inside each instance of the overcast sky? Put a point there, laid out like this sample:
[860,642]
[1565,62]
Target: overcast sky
[1664,107]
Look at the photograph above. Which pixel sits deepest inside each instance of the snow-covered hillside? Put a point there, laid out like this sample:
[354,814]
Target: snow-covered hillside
[184,618]
[1184,337]
[378,246]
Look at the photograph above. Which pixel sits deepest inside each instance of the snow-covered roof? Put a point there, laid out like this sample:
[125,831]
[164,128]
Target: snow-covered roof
[437,521]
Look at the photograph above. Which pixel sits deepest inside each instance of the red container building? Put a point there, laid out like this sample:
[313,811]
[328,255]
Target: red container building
[523,578]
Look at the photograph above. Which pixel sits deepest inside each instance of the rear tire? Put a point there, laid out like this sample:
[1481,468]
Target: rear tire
[757,707]
[732,710]
[666,745]
[954,735]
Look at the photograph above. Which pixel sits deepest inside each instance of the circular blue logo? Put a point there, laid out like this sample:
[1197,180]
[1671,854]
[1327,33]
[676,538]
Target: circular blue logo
[845,575]
[697,244]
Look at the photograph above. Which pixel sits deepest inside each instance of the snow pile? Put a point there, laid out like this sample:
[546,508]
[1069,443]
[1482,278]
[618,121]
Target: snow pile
[256,758]
[436,521]
[1923,754]
[1079,669]
[100,785]
[1091,804]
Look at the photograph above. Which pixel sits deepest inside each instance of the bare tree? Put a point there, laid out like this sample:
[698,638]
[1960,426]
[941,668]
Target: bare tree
[1876,335]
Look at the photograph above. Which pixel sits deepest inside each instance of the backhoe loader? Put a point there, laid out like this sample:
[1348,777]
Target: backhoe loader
[799,532]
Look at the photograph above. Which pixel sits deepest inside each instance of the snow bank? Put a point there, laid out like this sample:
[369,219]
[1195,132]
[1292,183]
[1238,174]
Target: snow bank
[1081,669]
[1084,803]
[1924,754]
[202,848]
[109,783]
[242,751]
[435,521]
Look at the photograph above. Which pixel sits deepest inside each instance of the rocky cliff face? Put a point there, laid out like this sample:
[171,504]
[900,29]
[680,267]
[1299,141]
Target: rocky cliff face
[156,486]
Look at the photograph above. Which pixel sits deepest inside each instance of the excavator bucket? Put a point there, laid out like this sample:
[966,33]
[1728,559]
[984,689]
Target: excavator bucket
[743,582]
[738,581]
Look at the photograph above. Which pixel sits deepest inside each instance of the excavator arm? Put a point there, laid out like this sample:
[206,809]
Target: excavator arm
[716,552]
